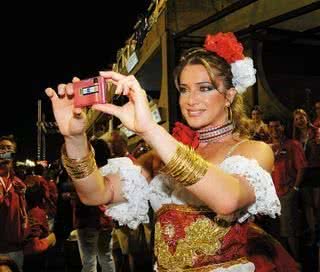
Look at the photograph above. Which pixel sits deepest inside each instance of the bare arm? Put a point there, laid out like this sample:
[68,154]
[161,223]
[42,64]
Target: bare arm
[222,192]
[93,189]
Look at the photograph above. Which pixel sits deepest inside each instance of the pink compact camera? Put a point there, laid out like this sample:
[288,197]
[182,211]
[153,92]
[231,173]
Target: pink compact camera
[90,91]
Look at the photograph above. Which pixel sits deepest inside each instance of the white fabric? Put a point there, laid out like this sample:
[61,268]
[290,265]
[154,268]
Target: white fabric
[135,190]
[267,201]
[243,74]
[247,267]
[163,190]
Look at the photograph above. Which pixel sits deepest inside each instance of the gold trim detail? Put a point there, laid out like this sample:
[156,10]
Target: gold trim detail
[183,208]
[202,237]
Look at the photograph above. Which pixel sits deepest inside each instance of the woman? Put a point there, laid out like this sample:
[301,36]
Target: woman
[305,133]
[204,198]
[258,129]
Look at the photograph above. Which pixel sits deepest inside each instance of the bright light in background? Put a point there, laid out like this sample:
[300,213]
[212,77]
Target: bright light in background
[27,162]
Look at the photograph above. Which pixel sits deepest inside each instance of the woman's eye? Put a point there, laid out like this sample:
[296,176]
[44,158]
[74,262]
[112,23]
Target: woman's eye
[206,88]
[182,90]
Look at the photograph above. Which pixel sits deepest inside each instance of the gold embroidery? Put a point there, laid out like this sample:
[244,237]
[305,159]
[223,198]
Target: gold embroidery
[202,237]
[183,208]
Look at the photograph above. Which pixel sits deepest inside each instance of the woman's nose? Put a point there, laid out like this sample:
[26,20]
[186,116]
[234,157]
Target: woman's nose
[193,98]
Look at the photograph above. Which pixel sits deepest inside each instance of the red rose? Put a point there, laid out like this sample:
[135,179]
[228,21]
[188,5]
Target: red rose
[185,135]
[225,45]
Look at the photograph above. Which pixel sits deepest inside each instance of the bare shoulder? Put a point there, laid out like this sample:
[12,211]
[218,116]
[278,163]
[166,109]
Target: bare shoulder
[259,151]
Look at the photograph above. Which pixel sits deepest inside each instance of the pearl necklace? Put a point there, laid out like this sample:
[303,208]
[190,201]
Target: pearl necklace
[214,134]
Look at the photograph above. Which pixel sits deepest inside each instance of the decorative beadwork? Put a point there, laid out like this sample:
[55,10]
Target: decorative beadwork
[213,134]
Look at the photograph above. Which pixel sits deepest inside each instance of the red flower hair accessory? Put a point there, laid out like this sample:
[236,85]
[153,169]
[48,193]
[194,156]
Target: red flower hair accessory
[226,46]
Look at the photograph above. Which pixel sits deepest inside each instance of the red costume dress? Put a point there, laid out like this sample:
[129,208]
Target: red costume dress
[190,237]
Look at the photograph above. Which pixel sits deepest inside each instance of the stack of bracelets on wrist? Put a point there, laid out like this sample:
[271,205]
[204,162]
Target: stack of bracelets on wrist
[79,168]
[186,166]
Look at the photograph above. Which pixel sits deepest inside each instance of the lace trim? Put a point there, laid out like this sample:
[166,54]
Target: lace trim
[135,190]
[267,201]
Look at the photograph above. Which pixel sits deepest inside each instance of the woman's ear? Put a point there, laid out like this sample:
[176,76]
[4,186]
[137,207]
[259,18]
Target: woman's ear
[230,94]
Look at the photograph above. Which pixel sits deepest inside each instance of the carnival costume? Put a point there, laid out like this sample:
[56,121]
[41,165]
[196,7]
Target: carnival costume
[188,235]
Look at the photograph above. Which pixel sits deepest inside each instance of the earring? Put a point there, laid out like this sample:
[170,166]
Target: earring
[229,113]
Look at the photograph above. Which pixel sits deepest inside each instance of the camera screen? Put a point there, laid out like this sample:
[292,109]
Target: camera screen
[89,90]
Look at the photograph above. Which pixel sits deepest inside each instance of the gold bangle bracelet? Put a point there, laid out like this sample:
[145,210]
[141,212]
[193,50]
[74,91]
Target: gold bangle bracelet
[79,168]
[186,166]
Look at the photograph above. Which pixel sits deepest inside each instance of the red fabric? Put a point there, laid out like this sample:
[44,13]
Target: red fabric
[53,199]
[282,258]
[287,162]
[237,243]
[185,135]
[225,45]
[36,246]
[262,264]
[38,230]
[38,223]
[12,216]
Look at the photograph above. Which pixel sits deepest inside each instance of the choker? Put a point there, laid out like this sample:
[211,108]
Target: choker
[213,134]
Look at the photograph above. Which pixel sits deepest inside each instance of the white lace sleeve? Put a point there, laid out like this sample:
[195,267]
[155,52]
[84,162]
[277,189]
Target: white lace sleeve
[135,190]
[160,191]
[267,201]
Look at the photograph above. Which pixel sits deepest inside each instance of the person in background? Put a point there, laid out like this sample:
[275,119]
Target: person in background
[287,176]
[133,243]
[304,132]
[140,149]
[8,265]
[38,239]
[258,129]
[13,213]
[316,121]
[94,228]
[52,201]
[205,200]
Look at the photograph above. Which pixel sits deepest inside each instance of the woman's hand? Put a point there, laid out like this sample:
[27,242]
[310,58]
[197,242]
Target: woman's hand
[135,114]
[71,121]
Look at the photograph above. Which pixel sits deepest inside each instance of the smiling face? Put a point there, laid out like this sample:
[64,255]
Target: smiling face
[201,103]
[276,130]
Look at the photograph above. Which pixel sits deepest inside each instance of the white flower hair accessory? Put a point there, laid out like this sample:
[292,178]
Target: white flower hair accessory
[227,46]
[244,74]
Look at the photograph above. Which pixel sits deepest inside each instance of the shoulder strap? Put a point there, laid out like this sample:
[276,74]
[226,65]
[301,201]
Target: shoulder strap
[233,148]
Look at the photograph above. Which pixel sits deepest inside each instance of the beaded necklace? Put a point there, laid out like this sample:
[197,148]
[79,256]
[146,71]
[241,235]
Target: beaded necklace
[214,134]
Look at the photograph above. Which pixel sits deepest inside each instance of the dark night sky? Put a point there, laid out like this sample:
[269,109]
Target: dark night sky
[50,44]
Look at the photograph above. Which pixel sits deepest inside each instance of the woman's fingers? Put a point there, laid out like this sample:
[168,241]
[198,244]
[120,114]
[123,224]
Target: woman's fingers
[61,89]
[112,75]
[69,89]
[51,93]
[75,79]
[108,108]
[78,113]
